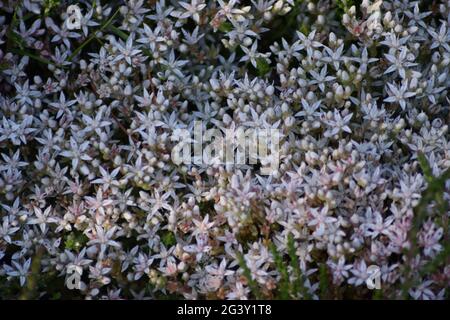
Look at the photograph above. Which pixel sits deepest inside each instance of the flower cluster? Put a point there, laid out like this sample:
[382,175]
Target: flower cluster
[91,107]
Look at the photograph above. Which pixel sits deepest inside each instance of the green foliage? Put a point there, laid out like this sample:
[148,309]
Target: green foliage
[248,275]
[284,284]
[15,43]
[8,289]
[262,66]
[323,280]
[283,26]
[168,239]
[292,282]
[298,285]
[433,194]
[49,5]
[345,5]
[225,26]
[30,290]
[75,241]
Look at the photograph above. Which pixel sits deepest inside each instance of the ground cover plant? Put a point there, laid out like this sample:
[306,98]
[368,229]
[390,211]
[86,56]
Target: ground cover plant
[95,96]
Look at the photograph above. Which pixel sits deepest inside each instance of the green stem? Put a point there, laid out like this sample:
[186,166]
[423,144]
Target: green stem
[93,36]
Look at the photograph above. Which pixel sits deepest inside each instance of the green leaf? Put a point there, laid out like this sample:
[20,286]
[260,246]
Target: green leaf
[299,285]
[425,167]
[168,239]
[248,275]
[262,66]
[284,288]
[75,241]
[49,5]
[225,27]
